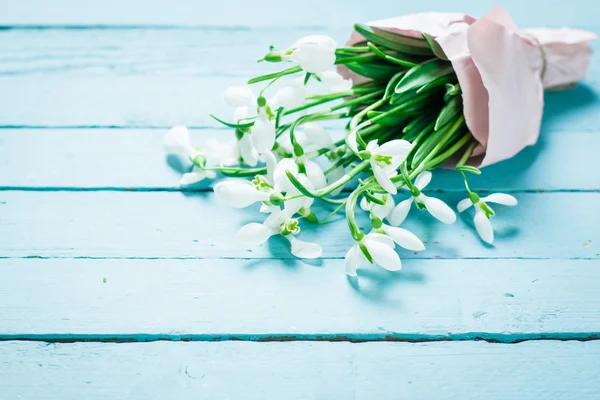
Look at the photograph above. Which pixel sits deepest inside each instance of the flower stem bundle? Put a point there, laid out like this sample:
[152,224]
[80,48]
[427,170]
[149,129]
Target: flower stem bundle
[402,104]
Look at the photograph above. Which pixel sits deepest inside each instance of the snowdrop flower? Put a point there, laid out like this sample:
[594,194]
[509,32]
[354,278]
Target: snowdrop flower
[386,159]
[373,248]
[378,212]
[245,149]
[436,207]
[262,133]
[240,193]
[483,212]
[280,222]
[196,175]
[289,96]
[177,142]
[315,53]
[298,166]
[335,82]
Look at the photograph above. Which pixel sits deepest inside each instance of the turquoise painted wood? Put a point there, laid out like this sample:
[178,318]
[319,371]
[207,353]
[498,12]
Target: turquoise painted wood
[452,371]
[499,300]
[99,245]
[77,159]
[115,224]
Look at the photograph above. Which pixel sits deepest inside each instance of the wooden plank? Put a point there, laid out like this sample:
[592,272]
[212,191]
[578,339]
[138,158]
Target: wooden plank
[217,51]
[84,159]
[444,371]
[501,300]
[164,224]
[267,13]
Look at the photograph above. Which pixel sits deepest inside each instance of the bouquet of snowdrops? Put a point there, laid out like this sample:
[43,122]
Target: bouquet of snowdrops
[416,93]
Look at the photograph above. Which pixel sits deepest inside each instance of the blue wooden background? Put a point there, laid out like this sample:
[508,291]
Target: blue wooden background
[115,284]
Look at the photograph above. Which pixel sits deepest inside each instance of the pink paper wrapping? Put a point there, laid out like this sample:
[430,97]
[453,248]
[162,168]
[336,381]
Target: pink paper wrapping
[502,72]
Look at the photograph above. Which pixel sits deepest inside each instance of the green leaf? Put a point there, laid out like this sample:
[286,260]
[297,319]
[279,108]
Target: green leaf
[451,91]
[388,120]
[393,41]
[436,83]
[469,169]
[450,110]
[298,184]
[423,74]
[392,83]
[435,47]
[390,58]
[232,125]
[373,70]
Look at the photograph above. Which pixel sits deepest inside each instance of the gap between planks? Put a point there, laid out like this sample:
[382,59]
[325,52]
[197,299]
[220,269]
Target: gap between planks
[338,337]
[205,189]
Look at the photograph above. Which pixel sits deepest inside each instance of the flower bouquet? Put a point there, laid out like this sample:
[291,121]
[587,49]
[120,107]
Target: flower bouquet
[417,93]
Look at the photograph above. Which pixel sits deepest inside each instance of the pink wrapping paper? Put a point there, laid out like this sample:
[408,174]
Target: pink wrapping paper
[501,70]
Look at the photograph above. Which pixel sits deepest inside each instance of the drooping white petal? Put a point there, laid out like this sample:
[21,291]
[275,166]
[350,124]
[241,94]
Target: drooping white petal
[318,136]
[438,209]
[501,198]
[351,141]
[322,40]
[383,179]
[423,179]
[247,151]
[303,249]
[315,174]
[281,181]
[254,234]
[263,134]
[221,153]
[177,141]
[464,204]
[483,226]
[314,58]
[334,176]
[271,162]
[382,254]
[383,239]
[399,213]
[239,96]
[294,205]
[404,238]
[238,193]
[240,113]
[353,259]
[277,217]
[335,82]
[382,211]
[197,175]
[289,97]
[394,148]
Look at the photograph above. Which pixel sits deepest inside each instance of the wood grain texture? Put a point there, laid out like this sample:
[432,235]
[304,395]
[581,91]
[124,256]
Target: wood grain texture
[165,224]
[86,159]
[267,13]
[444,371]
[502,300]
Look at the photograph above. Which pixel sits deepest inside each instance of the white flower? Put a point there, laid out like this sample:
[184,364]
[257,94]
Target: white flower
[381,250]
[402,237]
[246,150]
[280,222]
[240,193]
[315,53]
[483,212]
[262,133]
[222,153]
[335,82]
[435,206]
[289,96]
[314,135]
[311,170]
[386,159]
[177,142]
[242,98]
[196,175]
